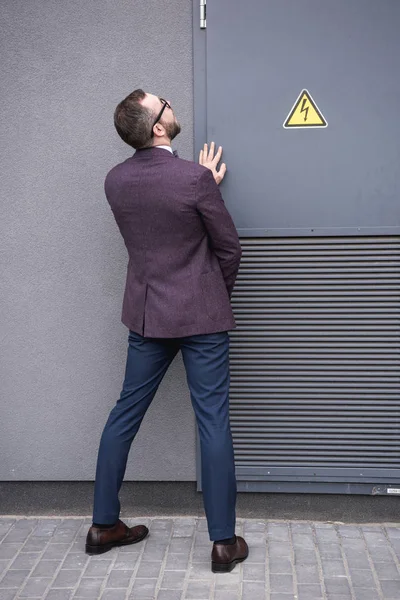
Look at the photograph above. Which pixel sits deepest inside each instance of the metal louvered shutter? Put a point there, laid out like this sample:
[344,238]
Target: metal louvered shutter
[315,361]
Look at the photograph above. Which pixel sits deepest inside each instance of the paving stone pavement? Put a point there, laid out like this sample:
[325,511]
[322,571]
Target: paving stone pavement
[288,560]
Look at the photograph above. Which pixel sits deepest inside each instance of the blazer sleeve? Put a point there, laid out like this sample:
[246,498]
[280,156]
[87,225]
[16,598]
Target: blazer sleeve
[220,228]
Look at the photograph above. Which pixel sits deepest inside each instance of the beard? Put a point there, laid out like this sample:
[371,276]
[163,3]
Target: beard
[172,129]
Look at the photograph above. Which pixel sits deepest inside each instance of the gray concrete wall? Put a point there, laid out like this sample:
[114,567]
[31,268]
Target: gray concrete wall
[64,67]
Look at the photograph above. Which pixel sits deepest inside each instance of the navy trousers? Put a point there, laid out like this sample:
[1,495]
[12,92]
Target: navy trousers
[206,359]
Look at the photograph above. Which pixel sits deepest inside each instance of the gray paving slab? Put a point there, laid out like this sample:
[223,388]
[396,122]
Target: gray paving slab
[173,580]
[169,595]
[35,587]
[113,594]
[8,595]
[59,595]
[288,560]
[89,588]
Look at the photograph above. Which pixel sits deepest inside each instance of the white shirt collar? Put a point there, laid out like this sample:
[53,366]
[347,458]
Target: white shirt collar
[165,148]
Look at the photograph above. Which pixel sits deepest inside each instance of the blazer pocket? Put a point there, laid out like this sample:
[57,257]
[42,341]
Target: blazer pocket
[215,295]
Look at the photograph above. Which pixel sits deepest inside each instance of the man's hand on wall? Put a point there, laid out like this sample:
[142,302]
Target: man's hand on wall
[207,159]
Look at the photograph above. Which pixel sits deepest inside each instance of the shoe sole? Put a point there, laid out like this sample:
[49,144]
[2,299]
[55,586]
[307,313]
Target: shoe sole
[226,567]
[92,550]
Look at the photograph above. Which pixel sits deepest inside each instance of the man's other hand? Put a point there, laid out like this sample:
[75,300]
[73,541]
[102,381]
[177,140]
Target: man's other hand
[207,159]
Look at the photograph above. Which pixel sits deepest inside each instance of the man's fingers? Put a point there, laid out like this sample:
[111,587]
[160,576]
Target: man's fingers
[217,156]
[222,171]
[207,158]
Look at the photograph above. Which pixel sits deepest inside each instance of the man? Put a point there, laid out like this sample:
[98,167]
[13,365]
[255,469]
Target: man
[184,255]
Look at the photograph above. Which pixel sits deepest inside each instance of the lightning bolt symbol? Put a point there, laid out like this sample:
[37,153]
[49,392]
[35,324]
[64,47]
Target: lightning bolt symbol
[303,109]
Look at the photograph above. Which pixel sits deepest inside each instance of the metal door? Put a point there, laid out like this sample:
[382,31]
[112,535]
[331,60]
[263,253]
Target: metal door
[342,179]
[315,398]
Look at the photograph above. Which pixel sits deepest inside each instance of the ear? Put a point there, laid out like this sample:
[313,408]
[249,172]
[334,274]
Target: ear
[158,130]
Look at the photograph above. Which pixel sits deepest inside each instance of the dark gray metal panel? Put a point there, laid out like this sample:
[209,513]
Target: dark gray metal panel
[316,487]
[199,82]
[315,361]
[260,55]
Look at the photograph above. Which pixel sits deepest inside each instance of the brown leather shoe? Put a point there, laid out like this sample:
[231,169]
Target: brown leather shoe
[102,540]
[225,557]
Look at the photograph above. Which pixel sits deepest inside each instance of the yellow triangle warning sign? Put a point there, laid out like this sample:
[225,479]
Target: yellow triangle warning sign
[305,113]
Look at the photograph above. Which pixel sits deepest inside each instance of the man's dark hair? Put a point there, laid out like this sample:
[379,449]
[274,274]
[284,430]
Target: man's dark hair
[133,121]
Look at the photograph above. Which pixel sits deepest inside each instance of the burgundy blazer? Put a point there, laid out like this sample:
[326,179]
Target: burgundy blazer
[184,250]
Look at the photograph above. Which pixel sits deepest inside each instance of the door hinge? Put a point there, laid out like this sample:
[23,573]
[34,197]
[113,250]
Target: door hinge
[203,11]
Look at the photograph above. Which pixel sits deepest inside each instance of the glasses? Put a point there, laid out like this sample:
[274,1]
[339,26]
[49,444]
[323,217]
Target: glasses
[160,114]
